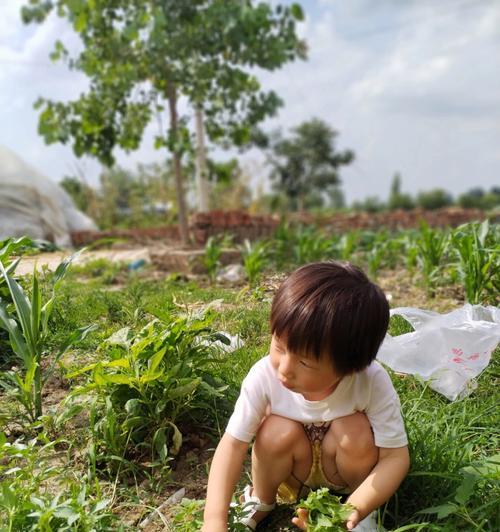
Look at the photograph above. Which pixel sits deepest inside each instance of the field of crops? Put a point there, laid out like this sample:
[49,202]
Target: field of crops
[116,383]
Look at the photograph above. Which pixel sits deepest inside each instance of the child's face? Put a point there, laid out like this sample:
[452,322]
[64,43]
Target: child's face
[314,379]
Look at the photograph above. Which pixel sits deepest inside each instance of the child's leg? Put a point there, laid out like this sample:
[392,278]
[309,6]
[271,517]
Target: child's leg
[348,451]
[281,449]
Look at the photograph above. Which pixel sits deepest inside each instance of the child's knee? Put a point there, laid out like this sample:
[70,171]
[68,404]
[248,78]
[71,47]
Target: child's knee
[278,434]
[353,436]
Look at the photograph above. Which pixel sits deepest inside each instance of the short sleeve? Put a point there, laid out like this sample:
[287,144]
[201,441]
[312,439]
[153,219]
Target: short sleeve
[250,408]
[384,412]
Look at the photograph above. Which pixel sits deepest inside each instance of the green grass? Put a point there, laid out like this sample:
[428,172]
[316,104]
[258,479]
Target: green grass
[444,437]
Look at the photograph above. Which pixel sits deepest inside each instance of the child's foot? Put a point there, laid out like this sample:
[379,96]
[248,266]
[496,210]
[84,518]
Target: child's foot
[254,511]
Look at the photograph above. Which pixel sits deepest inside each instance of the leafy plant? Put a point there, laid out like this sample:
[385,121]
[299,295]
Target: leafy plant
[28,327]
[326,512]
[375,257]
[145,384]
[188,516]
[431,244]
[461,503]
[410,251]
[282,240]
[310,245]
[346,246]
[478,259]
[255,258]
[26,501]
[213,252]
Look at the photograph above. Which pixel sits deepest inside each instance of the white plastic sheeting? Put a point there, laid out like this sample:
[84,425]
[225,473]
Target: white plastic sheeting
[33,205]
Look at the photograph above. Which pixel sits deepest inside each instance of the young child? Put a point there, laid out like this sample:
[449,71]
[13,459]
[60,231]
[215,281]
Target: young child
[322,412]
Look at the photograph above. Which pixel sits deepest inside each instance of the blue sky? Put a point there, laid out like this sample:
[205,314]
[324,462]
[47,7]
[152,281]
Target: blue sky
[411,86]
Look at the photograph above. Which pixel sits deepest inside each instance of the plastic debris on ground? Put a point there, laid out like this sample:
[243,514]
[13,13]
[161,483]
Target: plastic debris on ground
[233,273]
[448,350]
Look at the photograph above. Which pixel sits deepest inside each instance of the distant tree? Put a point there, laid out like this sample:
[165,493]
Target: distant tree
[141,56]
[397,199]
[336,198]
[229,185]
[434,199]
[305,166]
[491,199]
[141,197]
[369,204]
[477,198]
[78,191]
[472,199]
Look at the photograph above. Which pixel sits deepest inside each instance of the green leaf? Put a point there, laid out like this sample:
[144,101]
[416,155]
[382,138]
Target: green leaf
[17,341]
[466,488]
[80,22]
[442,511]
[176,439]
[297,12]
[156,359]
[133,406]
[186,389]
[160,443]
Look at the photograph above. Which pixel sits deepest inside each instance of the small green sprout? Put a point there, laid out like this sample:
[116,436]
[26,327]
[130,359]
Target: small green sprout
[326,512]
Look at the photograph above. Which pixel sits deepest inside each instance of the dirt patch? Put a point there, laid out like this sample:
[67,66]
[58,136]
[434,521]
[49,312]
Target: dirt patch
[406,290]
[52,260]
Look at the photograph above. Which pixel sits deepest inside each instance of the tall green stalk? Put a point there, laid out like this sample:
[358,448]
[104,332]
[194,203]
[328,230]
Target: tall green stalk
[431,244]
[26,319]
[478,260]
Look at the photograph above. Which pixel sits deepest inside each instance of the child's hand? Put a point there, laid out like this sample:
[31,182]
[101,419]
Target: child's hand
[353,520]
[301,519]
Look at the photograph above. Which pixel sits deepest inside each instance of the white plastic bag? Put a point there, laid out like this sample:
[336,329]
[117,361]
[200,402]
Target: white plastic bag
[449,350]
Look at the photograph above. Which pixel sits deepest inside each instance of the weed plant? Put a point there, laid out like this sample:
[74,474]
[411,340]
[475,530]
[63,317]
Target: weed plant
[28,477]
[145,384]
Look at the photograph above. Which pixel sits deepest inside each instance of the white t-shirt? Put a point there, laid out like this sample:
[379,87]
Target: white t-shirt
[369,391]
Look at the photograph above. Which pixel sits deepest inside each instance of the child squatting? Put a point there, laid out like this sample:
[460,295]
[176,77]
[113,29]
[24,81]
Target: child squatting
[322,411]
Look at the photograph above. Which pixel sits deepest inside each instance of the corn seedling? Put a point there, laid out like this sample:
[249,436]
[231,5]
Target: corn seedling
[431,244]
[347,245]
[213,252]
[478,260]
[26,320]
[255,258]
[310,245]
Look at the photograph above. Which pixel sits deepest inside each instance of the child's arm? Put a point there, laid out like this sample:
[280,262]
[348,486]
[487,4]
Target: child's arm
[380,484]
[224,473]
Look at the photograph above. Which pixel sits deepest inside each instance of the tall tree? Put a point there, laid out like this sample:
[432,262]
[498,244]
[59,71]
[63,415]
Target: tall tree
[306,165]
[142,55]
[398,199]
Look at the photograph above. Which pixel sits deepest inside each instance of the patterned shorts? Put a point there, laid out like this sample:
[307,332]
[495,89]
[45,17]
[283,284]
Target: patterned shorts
[316,479]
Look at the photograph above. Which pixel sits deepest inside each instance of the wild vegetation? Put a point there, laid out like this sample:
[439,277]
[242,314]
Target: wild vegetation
[129,378]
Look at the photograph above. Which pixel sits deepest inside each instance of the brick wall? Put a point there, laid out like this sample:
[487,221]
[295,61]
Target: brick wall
[243,225]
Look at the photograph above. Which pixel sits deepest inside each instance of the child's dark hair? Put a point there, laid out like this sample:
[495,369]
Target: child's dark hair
[331,308]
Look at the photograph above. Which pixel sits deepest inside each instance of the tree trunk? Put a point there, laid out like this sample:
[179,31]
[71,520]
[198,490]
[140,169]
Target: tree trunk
[201,163]
[181,202]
